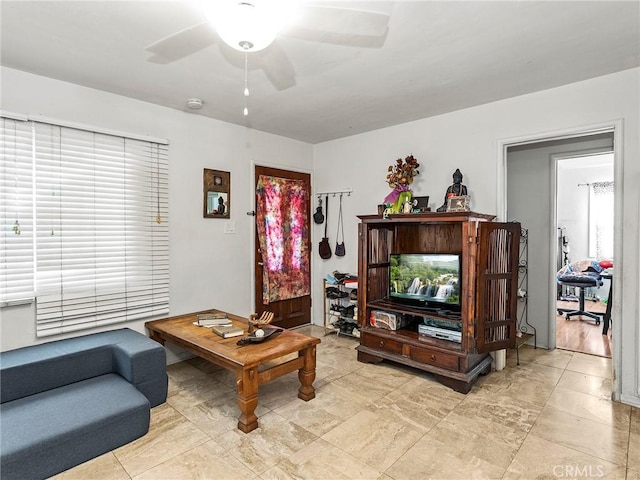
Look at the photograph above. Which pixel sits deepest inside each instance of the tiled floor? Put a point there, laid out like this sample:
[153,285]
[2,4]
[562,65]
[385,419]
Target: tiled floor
[548,418]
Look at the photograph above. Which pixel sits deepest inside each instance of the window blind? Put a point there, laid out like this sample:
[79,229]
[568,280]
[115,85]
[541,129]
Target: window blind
[102,239]
[16,193]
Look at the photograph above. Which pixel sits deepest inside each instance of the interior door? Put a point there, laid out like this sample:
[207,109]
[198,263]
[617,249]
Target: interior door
[497,285]
[294,311]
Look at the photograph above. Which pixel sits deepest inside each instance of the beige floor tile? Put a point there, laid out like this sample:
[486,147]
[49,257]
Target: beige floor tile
[504,437]
[332,406]
[170,434]
[540,458]
[590,407]
[420,403]
[443,453]
[359,384]
[633,474]
[204,462]
[584,383]
[183,371]
[590,364]
[377,440]
[634,441]
[590,437]
[532,383]
[552,358]
[104,467]
[517,414]
[321,460]
[195,391]
[275,439]
[282,391]
[388,373]
[214,417]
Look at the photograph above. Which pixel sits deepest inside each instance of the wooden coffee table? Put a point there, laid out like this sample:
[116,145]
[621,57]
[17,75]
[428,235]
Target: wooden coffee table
[248,362]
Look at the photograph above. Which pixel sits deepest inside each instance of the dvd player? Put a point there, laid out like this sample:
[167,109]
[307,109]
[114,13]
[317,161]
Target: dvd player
[442,333]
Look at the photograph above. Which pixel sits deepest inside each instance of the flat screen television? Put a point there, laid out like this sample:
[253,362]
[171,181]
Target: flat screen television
[425,280]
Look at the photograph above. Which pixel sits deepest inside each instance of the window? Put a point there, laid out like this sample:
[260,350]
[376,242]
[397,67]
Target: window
[601,220]
[99,210]
[16,193]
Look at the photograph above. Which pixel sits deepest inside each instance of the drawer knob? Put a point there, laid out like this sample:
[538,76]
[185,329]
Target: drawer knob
[433,358]
[381,343]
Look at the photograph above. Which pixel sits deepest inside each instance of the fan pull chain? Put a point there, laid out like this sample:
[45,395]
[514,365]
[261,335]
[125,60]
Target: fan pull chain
[246,87]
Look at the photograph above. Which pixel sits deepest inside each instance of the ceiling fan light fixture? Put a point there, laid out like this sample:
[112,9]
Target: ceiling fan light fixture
[249,25]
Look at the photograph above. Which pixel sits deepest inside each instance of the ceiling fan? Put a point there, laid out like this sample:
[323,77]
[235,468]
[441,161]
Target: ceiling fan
[252,26]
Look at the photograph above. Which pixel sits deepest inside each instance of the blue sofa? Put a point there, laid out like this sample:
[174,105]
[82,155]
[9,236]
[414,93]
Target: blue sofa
[68,401]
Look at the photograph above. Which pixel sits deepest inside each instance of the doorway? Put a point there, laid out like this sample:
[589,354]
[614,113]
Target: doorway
[282,273]
[584,216]
[531,193]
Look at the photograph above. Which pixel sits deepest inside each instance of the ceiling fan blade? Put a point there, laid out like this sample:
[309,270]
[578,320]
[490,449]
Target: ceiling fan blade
[345,39]
[183,43]
[277,67]
[339,19]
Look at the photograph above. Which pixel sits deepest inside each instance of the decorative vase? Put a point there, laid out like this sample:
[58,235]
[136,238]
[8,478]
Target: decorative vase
[403,197]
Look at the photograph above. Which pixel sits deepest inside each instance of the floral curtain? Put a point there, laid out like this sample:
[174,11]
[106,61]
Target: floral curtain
[601,220]
[283,237]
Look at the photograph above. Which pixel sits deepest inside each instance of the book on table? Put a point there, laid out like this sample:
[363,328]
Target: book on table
[213,319]
[228,331]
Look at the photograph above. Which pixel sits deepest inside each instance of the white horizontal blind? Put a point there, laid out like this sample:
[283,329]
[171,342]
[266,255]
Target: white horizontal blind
[16,212]
[102,248]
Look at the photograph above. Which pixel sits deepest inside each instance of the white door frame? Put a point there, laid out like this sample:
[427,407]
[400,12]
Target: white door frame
[615,127]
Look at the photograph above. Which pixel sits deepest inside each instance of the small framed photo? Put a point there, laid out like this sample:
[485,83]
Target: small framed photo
[217,193]
[420,204]
[460,203]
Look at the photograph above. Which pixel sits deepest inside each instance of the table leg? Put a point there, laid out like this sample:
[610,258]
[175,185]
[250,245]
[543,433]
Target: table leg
[247,382]
[307,374]
[607,316]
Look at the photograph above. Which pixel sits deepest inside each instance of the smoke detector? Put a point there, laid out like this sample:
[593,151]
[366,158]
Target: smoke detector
[194,104]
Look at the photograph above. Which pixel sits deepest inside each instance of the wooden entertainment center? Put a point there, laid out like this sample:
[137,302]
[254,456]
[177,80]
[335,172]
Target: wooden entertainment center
[486,320]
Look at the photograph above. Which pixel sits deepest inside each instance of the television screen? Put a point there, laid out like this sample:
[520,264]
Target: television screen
[430,279]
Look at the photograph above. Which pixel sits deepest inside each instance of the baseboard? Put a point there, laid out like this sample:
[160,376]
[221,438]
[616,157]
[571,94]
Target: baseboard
[632,400]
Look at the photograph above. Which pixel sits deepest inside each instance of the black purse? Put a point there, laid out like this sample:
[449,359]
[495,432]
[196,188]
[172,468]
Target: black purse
[340,250]
[324,248]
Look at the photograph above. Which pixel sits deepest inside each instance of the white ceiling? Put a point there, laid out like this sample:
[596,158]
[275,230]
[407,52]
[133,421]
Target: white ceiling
[436,57]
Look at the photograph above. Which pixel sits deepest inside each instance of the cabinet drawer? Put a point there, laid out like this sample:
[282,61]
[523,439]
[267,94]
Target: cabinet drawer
[391,346]
[432,357]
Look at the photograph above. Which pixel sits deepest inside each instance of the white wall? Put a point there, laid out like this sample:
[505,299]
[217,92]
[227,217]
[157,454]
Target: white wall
[469,139]
[208,268]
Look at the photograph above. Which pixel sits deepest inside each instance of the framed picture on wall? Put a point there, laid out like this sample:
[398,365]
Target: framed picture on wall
[217,194]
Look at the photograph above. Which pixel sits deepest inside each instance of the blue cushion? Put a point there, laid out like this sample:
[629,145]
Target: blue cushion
[52,431]
[37,368]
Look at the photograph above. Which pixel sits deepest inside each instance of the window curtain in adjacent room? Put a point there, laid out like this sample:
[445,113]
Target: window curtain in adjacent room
[283,236]
[601,220]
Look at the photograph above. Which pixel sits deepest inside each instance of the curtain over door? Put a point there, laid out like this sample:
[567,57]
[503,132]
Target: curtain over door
[282,271]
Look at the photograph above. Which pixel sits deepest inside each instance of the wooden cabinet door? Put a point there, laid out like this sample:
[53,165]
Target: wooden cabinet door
[497,285]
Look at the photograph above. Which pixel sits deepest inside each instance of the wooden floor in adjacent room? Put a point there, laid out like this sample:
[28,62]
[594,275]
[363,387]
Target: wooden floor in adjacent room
[581,334]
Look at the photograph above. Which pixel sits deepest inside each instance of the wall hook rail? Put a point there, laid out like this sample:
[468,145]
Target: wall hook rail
[348,191]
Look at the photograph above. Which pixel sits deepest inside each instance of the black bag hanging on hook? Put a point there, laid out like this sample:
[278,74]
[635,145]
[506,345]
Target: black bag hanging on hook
[324,247]
[340,250]
[318,217]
